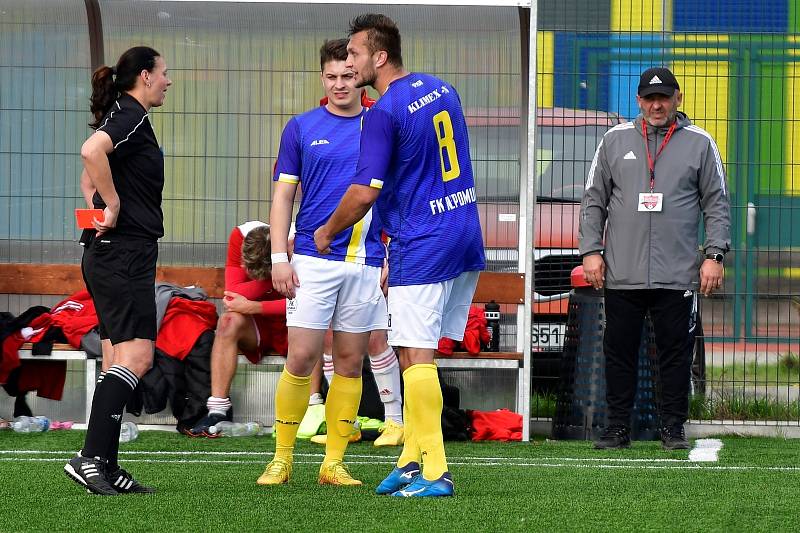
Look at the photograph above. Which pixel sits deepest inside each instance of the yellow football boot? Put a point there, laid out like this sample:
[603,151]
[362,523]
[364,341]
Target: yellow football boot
[392,434]
[336,473]
[278,471]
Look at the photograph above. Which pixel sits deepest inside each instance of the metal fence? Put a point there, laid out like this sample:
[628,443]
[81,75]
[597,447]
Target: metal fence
[241,70]
[738,66]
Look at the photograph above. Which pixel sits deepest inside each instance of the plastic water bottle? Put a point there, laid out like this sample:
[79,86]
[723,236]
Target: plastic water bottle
[492,313]
[235,429]
[128,432]
[30,424]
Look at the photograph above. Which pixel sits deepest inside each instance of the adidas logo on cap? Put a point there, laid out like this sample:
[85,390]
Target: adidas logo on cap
[657,80]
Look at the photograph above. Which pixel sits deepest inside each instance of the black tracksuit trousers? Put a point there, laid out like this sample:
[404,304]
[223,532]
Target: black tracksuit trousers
[670,311]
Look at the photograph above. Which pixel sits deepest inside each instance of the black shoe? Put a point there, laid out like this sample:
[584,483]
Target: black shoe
[201,428]
[124,483]
[613,438]
[91,474]
[674,438]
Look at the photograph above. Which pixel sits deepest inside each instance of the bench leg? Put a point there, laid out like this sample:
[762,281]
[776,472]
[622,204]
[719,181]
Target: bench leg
[91,383]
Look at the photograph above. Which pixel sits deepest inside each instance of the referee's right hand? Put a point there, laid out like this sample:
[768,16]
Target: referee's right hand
[284,279]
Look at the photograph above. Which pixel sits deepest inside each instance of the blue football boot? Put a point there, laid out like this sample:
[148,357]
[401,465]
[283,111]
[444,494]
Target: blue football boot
[422,488]
[398,478]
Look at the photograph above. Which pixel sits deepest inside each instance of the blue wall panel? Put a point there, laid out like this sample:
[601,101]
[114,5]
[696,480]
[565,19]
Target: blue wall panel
[624,77]
[763,16]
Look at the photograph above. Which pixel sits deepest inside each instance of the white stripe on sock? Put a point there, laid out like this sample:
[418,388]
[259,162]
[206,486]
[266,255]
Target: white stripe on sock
[124,374]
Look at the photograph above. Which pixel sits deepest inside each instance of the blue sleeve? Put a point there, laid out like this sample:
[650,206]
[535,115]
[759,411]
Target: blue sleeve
[289,164]
[377,145]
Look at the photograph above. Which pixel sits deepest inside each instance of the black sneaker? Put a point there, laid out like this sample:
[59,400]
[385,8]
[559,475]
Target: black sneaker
[91,474]
[124,483]
[201,428]
[674,438]
[613,438]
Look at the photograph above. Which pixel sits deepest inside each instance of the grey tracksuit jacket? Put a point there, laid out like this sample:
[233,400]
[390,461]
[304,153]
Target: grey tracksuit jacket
[650,250]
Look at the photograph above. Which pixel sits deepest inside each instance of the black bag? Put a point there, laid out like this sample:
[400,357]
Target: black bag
[186,384]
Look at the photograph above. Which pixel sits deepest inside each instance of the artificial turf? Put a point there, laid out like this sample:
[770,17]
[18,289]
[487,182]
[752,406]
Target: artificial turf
[206,485]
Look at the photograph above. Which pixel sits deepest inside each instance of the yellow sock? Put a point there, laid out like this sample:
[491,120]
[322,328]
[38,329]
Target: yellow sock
[341,409]
[410,451]
[291,401]
[424,395]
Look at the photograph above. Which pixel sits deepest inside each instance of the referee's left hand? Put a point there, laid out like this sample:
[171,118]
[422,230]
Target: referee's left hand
[109,221]
[322,240]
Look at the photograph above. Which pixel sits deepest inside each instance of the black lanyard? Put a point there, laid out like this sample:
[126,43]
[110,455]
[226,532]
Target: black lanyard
[651,162]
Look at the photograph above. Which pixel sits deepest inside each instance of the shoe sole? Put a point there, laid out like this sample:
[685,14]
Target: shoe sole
[620,447]
[70,473]
[396,495]
[334,484]
[139,492]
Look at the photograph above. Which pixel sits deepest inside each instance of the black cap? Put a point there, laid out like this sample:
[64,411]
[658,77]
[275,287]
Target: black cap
[658,80]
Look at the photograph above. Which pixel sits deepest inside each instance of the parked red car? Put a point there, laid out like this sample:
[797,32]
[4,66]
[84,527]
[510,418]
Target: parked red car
[566,141]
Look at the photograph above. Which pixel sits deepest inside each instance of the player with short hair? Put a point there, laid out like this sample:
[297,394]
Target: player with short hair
[319,150]
[415,163]
[254,321]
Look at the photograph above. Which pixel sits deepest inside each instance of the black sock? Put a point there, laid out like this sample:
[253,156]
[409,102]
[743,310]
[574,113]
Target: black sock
[109,401]
[113,444]
[113,451]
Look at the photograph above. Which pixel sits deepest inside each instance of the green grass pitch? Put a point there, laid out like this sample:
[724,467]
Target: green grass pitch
[209,485]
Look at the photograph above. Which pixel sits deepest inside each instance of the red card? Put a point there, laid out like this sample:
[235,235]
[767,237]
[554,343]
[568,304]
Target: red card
[85,217]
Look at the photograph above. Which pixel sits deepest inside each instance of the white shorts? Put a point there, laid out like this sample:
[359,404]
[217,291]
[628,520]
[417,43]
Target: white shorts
[419,315]
[345,296]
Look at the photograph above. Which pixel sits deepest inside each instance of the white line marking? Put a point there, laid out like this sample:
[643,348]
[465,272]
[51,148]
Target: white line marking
[361,456]
[687,466]
[705,451]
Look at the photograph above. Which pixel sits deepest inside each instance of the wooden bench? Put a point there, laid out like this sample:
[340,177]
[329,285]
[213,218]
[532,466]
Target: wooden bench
[65,279]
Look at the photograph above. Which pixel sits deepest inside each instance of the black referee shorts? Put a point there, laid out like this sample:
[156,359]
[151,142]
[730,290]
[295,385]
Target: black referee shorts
[120,274]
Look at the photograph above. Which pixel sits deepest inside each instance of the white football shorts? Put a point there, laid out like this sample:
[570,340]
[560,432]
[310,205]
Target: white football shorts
[346,296]
[419,315]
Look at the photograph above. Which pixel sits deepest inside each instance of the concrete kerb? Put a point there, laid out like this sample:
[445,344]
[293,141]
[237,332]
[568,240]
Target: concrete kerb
[789,429]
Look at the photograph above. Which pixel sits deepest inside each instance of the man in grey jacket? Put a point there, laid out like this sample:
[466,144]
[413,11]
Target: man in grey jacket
[647,185]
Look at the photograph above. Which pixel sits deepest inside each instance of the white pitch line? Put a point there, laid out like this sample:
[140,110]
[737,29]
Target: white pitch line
[705,451]
[715,468]
[363,456]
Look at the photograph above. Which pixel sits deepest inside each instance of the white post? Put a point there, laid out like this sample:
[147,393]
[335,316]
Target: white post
[530,203]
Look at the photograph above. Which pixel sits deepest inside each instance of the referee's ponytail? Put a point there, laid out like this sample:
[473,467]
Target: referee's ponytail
[109,82]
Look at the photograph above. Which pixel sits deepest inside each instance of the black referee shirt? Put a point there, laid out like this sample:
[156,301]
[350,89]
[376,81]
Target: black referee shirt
[137,168]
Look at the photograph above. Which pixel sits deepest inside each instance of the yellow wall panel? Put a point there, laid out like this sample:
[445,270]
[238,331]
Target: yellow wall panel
[640,15]
[705,86]
[717,44]
[792,155]
[545,66]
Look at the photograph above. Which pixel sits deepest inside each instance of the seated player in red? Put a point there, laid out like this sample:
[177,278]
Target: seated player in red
[253,322]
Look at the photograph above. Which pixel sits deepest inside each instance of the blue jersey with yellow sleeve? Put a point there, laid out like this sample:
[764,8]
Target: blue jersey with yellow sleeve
[415,148]
[319,150]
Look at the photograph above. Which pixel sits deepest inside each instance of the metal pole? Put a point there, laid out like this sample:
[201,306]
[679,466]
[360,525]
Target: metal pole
[529,203]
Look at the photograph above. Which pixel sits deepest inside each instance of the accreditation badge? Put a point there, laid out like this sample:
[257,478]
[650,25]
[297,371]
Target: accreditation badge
[651,202]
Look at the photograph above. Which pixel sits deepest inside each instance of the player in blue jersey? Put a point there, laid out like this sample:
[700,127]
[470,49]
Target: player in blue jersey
[319,150]
[415,163]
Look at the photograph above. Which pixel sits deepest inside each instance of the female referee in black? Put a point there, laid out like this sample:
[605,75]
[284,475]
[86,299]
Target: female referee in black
[123,175]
